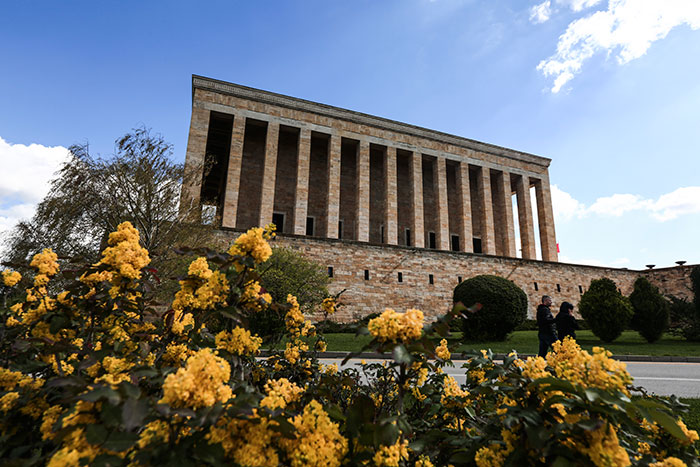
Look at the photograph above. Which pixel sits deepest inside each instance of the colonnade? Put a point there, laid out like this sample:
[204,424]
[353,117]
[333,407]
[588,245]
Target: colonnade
[480,192]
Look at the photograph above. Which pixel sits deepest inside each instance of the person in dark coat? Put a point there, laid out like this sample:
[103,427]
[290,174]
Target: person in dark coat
[546,324]
[566,323]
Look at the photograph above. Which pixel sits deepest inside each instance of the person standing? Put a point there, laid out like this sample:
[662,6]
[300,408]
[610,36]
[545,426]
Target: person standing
[565,321]
[546,324]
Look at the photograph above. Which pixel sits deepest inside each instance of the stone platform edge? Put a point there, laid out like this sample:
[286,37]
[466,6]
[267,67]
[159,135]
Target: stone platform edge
[500,356]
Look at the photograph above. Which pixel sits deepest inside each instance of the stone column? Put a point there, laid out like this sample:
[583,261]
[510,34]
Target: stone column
[190,207]
[417,222]
[362,215]
[301,193]
[465,208]
[488,244]
[545,216]
[509,228]
[527,227]
[391,212]
[267,198]
[333,198]
[443,219]
[233,177]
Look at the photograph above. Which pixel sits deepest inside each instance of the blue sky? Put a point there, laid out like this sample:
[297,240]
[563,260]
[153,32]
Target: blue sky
[608,89]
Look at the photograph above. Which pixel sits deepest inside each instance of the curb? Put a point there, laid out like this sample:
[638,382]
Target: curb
[500,356]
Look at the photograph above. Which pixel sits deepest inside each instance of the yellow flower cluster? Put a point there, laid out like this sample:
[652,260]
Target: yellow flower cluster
[9,380]
[239,341]
[329,305]
[201,383]
[46,262]
[424,461]
[494,455]
[181,321]
[669,462]
[580,367]
[318,441]
[249,443]
[603,447]
[254,243]
[206,290]
[11,278]
[294,319]
[451,390]
[391,326]
[175,354]
[292,352]
[442,351]
[390,456]
[252,299]
[8,401]
[280,393]
[155,431]
[125,255]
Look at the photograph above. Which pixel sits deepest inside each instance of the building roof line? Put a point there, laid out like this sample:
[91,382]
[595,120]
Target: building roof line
[267,97]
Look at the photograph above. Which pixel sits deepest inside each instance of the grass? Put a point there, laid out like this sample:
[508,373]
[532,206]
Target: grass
[525,342]
[692,418]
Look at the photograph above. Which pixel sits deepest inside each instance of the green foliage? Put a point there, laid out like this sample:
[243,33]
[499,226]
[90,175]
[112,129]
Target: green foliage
[605,309]
[503,307]
[684,319]
[288,272]
[651,310]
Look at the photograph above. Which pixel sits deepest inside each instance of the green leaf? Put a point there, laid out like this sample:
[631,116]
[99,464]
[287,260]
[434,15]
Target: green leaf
[96,434]
[120,441]
[102,393]
[133,413]
[401,355]
[386,434]
[562,462]
[668,423]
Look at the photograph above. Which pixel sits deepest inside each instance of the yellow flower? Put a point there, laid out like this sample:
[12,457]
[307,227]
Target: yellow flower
[11,278]
[397,327]
[424,461]
[252,299]
[280,393]
[8,401]
[329,305]
[249,443]
[238,342]
[318,440]
[201,383]
[176,353]
[45,262]
[293,351]
[125,255]
[254,243]
[209,289]
[669,462]
[390,456]
[157,431]
[603,447]
[452,390]
[294,320]
[441,351]
[180,321]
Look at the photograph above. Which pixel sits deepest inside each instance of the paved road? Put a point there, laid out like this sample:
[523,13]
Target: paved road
[681,379]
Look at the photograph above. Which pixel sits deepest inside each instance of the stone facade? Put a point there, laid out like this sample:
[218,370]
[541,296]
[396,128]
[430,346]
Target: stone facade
[376,200]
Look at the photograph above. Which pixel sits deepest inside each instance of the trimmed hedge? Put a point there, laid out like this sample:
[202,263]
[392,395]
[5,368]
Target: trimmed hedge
[503,307]
[605,309]
[651,310]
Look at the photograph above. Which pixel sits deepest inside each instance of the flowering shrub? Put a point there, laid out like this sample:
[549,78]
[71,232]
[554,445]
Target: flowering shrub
[91,375]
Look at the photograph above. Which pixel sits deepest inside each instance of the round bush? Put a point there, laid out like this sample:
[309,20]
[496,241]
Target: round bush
[605,309]
[503,307]
[651,310]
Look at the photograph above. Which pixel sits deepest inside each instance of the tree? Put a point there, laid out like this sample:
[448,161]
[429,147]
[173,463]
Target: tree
[91,196]
[503,307]
[651,310]
[605,309]
[288,272]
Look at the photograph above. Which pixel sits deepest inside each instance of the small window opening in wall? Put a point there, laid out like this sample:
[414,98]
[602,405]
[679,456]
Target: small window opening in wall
[340,229]
[366,274]
[455,243]
[580,289]
[459,279]
[330,271]
[431,279]
[536,288]
[400,277]
[432,240]
[477,244]
[408,237]
[558,288]
[381,234]
[278,220]
[310,226]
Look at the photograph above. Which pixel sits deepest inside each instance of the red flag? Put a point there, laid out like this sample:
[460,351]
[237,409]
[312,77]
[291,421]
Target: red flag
[558,248]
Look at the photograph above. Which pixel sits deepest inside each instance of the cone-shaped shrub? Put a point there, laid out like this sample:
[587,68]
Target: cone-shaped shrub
[605,309]
[651,310]
[503,307]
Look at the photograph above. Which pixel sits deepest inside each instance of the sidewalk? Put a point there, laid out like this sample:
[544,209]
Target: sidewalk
[497,356]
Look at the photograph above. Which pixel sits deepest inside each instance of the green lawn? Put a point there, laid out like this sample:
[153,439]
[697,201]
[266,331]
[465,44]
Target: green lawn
[692,418]
[525,342]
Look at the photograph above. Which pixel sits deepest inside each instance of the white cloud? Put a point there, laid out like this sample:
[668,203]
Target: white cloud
[578,5]
[627,27]
[541,13]
[24,179]
[669,206]
[677,203]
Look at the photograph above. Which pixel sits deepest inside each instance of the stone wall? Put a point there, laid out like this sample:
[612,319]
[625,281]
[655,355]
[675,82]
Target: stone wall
[349,260]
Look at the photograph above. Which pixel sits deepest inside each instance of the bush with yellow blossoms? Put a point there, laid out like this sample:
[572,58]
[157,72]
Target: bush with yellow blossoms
[92,374]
